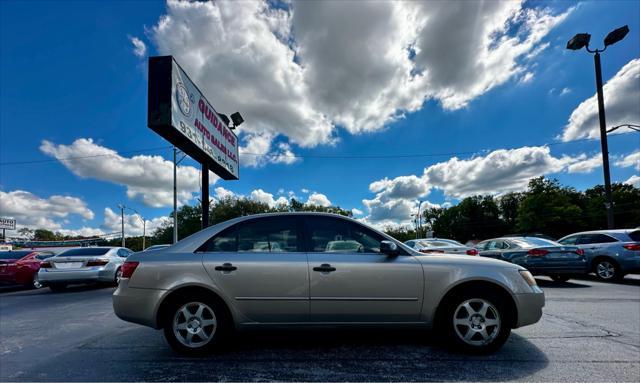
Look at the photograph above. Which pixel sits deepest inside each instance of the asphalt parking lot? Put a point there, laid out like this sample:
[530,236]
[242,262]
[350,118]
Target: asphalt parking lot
[590,331]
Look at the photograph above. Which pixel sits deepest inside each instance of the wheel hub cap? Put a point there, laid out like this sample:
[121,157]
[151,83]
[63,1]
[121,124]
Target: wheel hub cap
[194,324]
[476,322]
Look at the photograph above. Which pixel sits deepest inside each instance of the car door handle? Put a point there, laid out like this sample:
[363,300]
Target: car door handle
[325,268]
[226,267]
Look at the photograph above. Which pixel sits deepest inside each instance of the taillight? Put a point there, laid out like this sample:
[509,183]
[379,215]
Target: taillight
[537,252]
[128,268]
[429,251]
[580,252]
[99,262]
[45,265]
[632,246]
[472,252]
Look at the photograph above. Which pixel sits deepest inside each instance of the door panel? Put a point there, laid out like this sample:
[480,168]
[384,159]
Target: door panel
[265,287]
[365,288]
[259,264]
[351,281]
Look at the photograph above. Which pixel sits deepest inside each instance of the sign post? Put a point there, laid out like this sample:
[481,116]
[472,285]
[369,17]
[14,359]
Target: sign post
[180,113]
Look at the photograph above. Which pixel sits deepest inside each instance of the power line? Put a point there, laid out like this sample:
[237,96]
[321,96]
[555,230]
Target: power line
[320,156]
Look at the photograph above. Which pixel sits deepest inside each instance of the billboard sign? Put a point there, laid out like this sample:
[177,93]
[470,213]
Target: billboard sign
[7,223]
[179,112]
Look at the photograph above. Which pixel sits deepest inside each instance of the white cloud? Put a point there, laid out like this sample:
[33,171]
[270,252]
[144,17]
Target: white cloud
[82,232]
[264,197]
[584,164]
[222,193]
[33,211]
[495,173]
[634,180]
[355,211]
[631,160]
[133,224]
[147,178]
[305,191]
[565,91]
[527,78]
[139,47]
[622,105]
[300,71]
[318,199]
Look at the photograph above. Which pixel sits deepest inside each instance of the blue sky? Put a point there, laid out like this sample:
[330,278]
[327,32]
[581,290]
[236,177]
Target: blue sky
[69,71]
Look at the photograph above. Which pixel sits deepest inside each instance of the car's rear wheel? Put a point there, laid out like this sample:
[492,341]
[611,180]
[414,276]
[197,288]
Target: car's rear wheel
[607,270]
[559,278]
[195,326]
[476,322]
[35,283]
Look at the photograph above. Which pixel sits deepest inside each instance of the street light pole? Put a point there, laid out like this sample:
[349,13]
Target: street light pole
[175,196]
[122,222]
[577,42]
[603,142]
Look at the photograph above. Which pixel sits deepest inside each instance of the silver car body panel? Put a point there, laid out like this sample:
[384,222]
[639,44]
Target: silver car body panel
[283,288]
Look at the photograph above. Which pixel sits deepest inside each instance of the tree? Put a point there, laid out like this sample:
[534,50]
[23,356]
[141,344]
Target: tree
[474,218]
[509,204]
[626,206]
[550,209]
[45,235]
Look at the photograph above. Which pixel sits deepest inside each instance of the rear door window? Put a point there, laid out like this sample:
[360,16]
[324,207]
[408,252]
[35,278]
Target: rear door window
[270,235]
[586,239]
[635,235]
[571,240]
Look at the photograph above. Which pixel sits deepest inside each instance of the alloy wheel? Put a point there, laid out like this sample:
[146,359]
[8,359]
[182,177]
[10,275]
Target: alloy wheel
[36,282]
[605,270]
[194,324]
[118,276]
[476,322]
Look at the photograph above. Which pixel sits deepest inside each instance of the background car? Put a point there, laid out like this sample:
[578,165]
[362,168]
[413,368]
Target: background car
[538,255]
[83,265]
[611,253]
[20,267]
[319,268]
[439,245]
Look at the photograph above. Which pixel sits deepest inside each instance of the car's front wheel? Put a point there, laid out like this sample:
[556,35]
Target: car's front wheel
[476,322]
[195,326]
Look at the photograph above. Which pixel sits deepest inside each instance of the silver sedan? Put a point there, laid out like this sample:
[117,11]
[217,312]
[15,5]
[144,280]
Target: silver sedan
[83,265]
[310,269]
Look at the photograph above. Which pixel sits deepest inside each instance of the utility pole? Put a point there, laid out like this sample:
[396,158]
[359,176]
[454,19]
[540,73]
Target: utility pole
[175,196]
[205,195]
[121,206]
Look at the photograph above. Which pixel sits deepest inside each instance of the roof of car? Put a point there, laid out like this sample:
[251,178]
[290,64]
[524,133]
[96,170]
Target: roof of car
[605,231]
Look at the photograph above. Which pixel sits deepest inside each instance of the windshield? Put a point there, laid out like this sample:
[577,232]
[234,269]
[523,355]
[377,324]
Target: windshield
[86,252]
[14,254]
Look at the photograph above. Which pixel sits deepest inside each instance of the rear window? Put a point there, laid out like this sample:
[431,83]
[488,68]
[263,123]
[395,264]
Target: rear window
[86,252]
[14,254]
[635,235]
[532,242]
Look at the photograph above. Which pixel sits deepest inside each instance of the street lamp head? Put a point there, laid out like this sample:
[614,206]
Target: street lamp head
[237,119]
[579,41]
[616,35]
[224,118]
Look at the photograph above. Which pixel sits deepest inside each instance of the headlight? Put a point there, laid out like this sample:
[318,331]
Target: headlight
[528,277]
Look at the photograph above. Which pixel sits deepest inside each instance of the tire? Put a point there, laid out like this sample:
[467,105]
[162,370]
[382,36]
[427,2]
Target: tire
[35,282]
[198,320]
[57,287]
[472,332]
[118,276]
[559,278]
[607,270]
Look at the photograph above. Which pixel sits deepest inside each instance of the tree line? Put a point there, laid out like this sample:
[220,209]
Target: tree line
[546,207]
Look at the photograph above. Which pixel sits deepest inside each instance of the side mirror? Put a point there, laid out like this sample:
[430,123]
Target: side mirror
[388,248]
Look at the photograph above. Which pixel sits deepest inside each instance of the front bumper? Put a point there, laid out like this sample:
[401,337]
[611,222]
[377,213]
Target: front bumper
[94,274]
[529,306]
[137,305]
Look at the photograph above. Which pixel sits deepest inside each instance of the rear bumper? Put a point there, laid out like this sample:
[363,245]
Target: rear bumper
[96,274]
[580,267]
[137,305]
[529,307]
